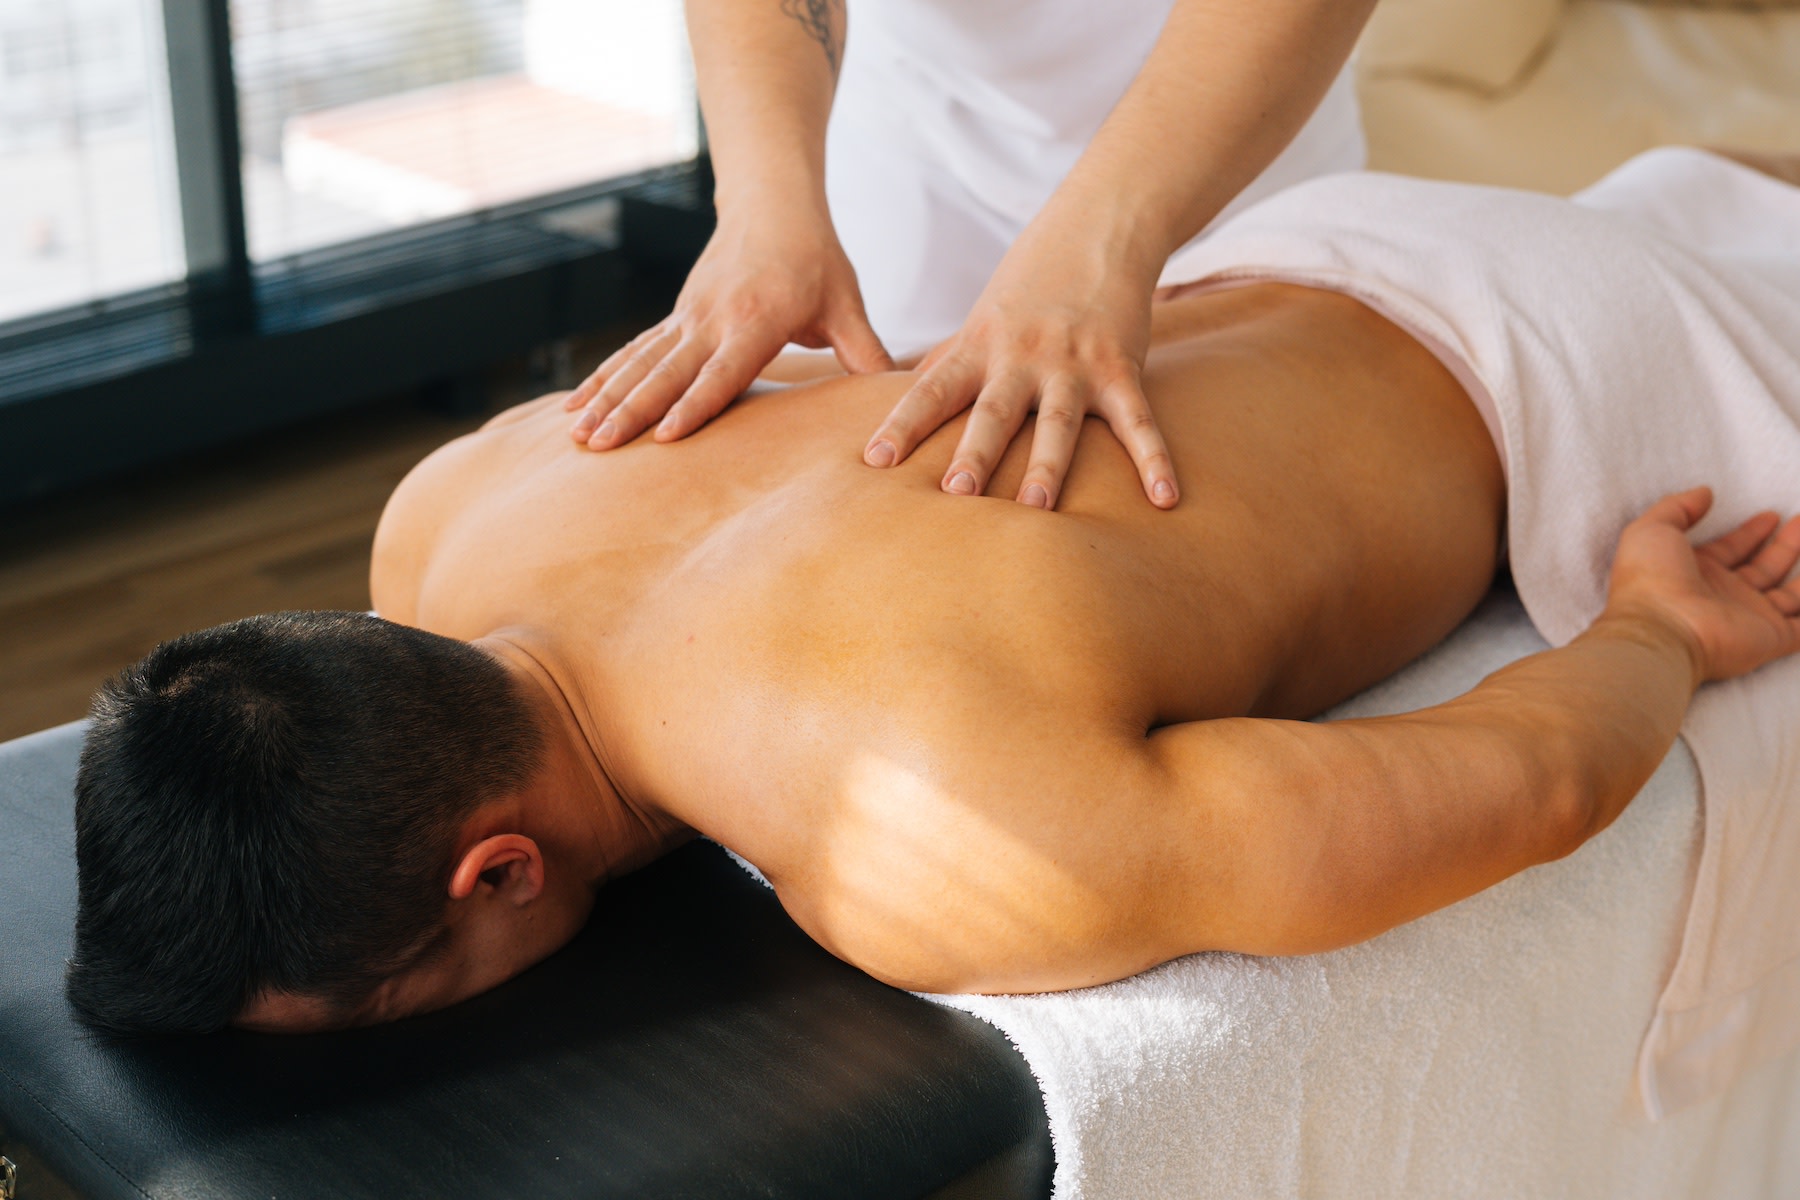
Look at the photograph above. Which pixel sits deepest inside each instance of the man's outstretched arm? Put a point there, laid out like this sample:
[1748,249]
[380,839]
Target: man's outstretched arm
[1289,837]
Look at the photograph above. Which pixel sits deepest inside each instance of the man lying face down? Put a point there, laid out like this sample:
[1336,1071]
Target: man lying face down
[973,745]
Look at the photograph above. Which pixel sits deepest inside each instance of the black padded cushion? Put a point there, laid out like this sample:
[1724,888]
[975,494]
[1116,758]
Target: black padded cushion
[692,1042]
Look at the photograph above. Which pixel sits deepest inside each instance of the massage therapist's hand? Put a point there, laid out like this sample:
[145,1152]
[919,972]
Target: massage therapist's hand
[1061,333]
[759,284]
[1730,600]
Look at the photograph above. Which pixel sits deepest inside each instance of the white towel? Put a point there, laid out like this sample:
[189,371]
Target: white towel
[1640,340]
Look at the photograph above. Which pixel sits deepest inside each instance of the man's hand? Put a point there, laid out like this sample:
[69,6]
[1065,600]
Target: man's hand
[1054,332]
[777,279]
[1730,600]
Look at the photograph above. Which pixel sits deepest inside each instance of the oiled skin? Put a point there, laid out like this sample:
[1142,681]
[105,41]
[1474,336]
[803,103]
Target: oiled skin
[924,716]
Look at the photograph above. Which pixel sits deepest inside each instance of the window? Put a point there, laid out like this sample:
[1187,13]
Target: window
[220,216]
[87,170]
[355,117]
[365,115]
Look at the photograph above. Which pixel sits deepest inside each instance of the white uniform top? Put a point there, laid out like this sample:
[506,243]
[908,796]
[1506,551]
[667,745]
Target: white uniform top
[956,119]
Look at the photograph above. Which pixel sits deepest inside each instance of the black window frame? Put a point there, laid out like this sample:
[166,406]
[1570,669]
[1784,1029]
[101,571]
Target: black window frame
[238,347]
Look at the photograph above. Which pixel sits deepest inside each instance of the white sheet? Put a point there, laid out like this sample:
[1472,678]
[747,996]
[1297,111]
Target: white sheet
[1485,1051]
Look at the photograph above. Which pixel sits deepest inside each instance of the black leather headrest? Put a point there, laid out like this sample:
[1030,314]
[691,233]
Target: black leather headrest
[691,1042]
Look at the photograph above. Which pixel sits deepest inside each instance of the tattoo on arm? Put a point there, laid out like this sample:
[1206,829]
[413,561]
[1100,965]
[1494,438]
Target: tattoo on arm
[823,21]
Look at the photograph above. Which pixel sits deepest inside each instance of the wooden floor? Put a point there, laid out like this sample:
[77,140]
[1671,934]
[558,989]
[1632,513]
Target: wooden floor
[91,581]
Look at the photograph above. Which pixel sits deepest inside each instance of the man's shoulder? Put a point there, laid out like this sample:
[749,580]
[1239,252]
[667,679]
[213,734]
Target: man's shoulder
[444,483]
[519,412]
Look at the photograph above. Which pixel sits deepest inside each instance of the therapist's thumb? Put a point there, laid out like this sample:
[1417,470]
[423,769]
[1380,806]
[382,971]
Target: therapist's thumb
[859,351]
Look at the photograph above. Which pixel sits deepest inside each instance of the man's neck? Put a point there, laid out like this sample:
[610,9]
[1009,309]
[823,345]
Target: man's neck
[575,805]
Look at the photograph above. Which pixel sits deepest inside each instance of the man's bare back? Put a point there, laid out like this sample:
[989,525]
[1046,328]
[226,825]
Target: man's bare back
[765,647]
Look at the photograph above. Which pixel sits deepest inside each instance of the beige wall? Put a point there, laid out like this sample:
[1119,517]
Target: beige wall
[1552,94]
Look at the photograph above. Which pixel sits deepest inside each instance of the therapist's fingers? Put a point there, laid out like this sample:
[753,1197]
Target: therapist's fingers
[596,379]
[999,411]
[858,350]
[625,376]
[939,394]
[621,371]
[588,388]
[1128,413]
[720,380]
[653,395]
[1060,413]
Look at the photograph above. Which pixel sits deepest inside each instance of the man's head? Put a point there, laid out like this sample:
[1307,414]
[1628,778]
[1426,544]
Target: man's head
[277,807]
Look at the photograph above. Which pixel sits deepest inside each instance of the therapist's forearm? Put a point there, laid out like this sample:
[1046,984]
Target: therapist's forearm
[766,71]
[1226,88]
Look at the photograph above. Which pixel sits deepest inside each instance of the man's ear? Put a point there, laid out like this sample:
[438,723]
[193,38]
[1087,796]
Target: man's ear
[509,863]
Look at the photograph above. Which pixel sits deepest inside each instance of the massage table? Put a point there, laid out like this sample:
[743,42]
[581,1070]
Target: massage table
[693,1043]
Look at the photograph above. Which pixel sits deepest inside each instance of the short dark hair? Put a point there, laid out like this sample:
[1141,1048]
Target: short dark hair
[273,804]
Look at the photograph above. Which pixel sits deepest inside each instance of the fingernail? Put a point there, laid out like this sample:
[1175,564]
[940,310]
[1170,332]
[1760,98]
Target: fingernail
[962,484]
[1036,496]
[585,425]
[1163,491]
[605,432]
[879,454]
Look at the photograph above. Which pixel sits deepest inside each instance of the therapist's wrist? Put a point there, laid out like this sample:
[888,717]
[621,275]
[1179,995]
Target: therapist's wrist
[784,187]
[776,232]
[1106,236]
[1077,266]
[1141,214]
[778,235]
